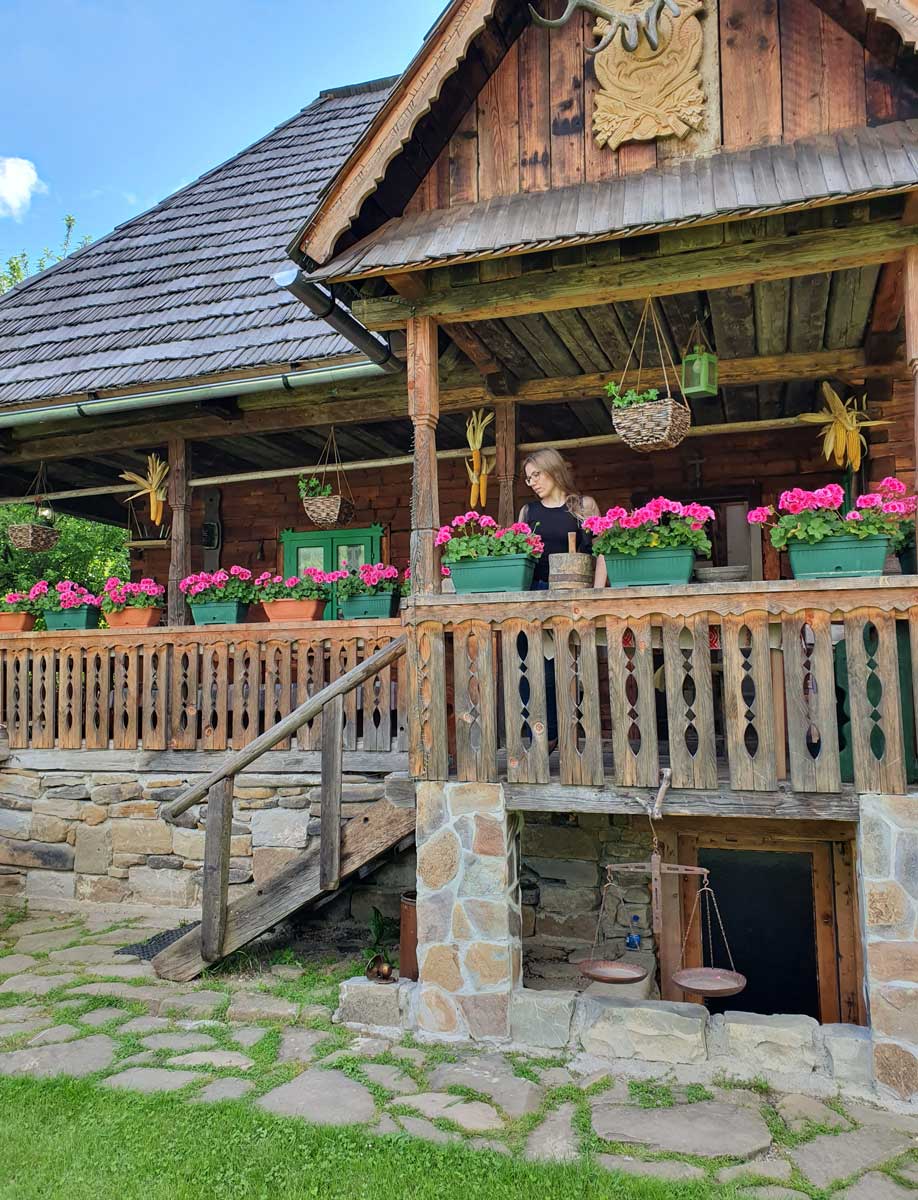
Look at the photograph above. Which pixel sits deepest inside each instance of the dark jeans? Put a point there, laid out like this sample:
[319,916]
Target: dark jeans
[551,702]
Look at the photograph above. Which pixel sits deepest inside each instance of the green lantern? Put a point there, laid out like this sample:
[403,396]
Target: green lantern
[699,373]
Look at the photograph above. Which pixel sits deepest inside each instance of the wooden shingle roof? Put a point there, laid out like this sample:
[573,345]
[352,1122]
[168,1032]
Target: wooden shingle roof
[185,289]
[728,184]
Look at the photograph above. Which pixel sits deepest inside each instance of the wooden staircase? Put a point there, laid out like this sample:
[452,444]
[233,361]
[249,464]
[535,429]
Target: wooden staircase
[319,870]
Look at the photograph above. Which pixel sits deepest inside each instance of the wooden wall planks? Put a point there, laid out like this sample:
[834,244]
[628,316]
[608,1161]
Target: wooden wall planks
[773,71]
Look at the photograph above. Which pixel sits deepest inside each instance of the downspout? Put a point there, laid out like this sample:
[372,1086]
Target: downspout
[324,305]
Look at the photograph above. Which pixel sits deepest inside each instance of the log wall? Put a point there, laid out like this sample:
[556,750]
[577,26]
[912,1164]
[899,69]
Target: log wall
[773,71]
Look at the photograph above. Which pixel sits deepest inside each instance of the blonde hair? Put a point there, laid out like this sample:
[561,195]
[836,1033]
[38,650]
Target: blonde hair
[551,463]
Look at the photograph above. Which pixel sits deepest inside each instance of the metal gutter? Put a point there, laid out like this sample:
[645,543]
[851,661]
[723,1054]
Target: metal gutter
[291,381]
[323,305]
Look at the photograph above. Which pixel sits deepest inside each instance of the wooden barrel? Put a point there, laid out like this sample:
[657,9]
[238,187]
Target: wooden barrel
[571,570]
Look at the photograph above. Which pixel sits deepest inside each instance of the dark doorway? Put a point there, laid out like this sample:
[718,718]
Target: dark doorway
[766,901]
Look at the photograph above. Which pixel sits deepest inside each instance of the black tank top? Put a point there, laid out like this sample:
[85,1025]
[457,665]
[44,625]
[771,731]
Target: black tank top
[553,526]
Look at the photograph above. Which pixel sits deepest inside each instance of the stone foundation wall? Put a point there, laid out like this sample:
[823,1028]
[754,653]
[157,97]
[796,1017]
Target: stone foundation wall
[561,877]
[888,870]
[787,1050]
[99,836]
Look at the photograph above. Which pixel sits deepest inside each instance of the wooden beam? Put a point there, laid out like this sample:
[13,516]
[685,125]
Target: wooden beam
[376,405]
[633,279]
[406,460]
[424,410]
[180,542]
[785,803]
[217,839]
[330,815]
[506,436]
[412,285]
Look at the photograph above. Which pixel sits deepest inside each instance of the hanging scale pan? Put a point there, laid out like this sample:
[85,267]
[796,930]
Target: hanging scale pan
[606,971]
[712,982]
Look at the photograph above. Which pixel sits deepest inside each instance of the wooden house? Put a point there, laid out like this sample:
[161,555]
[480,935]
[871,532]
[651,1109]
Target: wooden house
[483,233]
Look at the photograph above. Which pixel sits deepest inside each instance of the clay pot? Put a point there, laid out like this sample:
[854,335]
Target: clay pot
[294,610]
[16,622]
[134,618]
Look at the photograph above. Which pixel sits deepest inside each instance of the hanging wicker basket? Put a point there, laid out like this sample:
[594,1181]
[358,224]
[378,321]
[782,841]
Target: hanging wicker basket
[328,512]
[331,512]
[656,425]
[32,537]
[659,424]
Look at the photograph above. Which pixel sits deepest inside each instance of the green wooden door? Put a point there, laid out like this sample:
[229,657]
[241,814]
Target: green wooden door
[331,550]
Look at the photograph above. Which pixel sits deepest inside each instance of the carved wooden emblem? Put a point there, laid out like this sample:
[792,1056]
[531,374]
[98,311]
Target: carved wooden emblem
[649,93]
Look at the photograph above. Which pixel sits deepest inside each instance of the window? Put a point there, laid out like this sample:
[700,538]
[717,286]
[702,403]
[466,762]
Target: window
[333,550]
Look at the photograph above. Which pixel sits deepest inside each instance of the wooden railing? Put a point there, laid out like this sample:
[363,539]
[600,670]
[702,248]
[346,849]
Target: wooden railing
[195,689]
[217,936]
[738,686]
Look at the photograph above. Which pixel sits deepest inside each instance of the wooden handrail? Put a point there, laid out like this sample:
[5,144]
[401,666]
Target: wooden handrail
[289,725]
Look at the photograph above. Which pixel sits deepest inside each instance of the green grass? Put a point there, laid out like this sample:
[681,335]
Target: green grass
[68,1140]
[650,1093]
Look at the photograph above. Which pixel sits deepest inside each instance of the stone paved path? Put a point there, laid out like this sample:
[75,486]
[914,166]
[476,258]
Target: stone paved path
[69,1006]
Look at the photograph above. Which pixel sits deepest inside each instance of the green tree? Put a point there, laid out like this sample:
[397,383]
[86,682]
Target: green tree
[87,553]
[19,266]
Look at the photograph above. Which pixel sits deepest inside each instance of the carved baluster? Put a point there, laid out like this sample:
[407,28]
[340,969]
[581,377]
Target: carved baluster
[812,717]
[748,708]
[277,686]
[633,703]
[377,704]
[246,693]
[126,694]
[312,675]
[525,711]
[873,690]
[690,701]
[44,698]
[577,686]
[70,698]
[215,697]
[183,704]
[17,698]
[428,747]
[98,690]
[475,702]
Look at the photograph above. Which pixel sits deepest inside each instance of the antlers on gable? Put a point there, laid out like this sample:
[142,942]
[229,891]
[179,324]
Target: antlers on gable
[630,23]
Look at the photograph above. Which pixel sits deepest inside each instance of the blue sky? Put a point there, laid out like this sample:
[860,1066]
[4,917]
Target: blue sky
[107,106]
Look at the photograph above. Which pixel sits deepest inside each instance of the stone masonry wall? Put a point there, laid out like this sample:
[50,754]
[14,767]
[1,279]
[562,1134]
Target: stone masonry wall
[888,867]
[99,836]
[562,873]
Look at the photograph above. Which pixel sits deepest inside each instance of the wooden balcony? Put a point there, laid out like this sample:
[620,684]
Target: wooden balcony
[764,699]
[163,698]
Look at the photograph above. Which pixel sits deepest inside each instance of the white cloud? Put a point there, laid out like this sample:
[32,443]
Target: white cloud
[19,182]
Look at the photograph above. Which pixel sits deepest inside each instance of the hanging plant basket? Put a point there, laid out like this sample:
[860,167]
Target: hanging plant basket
[41,534]
[646,420]
[33,537]
[325,506]
[328,512]
[655,425]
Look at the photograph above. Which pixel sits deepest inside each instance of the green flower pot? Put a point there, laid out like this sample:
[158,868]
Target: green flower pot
[380,606]
[86,617]
[510,573]
[651,567]
[219,612]
[841,557]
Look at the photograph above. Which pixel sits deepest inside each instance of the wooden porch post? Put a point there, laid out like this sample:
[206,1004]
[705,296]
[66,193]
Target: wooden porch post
[911,333]
[507,438]
[424,410]
[180,549]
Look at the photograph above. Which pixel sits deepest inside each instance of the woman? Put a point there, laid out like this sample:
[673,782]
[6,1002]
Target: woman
[557,511]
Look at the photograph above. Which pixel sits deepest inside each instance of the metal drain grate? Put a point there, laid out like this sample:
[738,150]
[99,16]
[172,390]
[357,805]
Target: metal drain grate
[148,950]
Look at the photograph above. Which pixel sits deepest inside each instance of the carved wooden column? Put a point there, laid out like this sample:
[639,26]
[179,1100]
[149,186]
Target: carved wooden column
[507,431]
[180,550]
[911,333]
[424,410]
